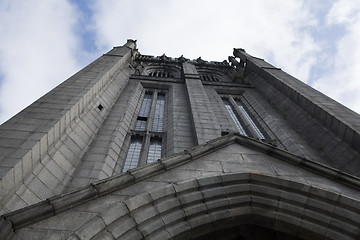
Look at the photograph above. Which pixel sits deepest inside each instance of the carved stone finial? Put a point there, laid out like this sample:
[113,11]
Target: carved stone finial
[199,60]
[163,57]
[182,59]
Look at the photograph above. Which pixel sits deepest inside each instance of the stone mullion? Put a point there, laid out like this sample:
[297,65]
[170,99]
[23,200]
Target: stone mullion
[146,140]
[150,120]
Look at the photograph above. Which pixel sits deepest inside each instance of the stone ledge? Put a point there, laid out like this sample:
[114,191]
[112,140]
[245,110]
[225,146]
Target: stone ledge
[63,202]
[30,214]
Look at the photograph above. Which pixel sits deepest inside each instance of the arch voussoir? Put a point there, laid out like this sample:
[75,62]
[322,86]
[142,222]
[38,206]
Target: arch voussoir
[195,208]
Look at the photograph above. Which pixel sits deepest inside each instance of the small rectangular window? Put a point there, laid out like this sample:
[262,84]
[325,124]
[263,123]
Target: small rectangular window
[133,155]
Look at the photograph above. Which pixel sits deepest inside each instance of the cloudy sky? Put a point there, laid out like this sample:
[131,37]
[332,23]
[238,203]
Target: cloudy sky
[43,42]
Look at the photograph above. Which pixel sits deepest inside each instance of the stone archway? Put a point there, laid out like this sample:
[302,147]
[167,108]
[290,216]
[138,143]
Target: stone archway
[245,232]
[226,203]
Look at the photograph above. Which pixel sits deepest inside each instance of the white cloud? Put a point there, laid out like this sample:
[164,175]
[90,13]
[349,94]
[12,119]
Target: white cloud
[342,80]
[37,50]
[275,30]
[344,12]
[40,45]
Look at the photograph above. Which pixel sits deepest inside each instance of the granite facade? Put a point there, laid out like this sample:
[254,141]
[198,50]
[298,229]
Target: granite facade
[62,158]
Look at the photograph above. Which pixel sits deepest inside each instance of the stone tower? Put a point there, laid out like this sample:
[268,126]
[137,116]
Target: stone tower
[142,147]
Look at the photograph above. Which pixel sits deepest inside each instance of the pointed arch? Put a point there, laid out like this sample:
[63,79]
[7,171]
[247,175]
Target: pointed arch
[198,207]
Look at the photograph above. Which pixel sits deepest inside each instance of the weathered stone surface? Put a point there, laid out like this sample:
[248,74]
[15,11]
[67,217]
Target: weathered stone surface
[122,226]
[91,228]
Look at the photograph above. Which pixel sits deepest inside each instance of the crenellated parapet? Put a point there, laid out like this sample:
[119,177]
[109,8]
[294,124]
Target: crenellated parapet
[167,67]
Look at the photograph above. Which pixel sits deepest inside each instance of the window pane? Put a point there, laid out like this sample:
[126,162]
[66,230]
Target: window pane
[154,150]
[250,121]
[144,112]
[140,125]
[146,104]
[133,154]
[159,114]
[234,117]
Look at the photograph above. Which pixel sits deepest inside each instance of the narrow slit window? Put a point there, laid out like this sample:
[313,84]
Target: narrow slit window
[249,120]
[234,117]
[133,154]
[154,150]
[158,123]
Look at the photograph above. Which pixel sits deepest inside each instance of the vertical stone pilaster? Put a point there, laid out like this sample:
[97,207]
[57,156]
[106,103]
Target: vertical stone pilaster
[206,125]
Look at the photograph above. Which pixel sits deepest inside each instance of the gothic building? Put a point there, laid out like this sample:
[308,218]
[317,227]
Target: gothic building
[143,147]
